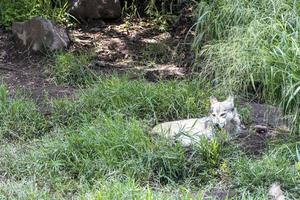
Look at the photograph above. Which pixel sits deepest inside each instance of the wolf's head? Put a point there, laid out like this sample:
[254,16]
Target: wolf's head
[223,114]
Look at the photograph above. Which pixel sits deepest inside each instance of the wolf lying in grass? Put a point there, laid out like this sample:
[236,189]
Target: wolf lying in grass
[223,115]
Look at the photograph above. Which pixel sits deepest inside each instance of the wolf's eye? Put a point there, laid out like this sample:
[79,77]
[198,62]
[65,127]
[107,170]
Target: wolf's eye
[223,114]
[213,115]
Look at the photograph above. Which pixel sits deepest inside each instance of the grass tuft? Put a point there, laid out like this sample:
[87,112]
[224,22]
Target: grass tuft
[72,69]
[136,98]
[253,47]
[19,118]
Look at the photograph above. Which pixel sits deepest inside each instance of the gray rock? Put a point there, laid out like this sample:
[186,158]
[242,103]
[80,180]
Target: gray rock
[95,9]
[39,34]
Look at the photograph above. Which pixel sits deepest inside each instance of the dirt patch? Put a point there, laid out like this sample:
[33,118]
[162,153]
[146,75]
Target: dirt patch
[136,46]
[265,123]
[266,115]
[140,46]
[22,69]
[252,143]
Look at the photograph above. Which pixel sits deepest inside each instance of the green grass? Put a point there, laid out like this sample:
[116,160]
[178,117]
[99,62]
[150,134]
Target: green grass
[11,11]
[71,69]
[136,98]
[252,45]
[20,118]
[100,148]
[96,145]
[129,189]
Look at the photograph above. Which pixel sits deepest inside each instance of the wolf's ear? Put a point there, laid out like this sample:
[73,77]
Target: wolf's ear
[230,99]
[213,100]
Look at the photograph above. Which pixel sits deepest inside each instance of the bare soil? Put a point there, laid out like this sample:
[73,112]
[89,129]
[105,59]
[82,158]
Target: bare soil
[116,46]
[21,69]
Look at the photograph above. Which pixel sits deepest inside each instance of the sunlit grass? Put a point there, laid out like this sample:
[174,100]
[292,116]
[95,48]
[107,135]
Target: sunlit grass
[253,46]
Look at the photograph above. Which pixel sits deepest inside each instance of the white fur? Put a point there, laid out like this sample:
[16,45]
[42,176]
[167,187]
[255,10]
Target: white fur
[224,115]
[187,132]
[275,192]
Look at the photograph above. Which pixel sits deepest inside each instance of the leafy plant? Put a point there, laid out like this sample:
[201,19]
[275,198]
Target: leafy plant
[298,159]
[246,114]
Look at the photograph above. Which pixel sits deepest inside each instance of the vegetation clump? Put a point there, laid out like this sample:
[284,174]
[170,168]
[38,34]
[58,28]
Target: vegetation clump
[96,144]
[252,46]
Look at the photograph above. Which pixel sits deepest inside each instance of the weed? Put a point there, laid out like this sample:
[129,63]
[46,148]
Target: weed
[246,114]
[275,166]
[130,10]
[129,189]
[20,118]
[162,14]
[72,69]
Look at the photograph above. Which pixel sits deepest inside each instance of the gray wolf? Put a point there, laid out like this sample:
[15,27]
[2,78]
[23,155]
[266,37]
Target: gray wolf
[223,115]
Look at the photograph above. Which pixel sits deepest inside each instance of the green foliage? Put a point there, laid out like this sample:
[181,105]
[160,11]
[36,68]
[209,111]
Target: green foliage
[276,166]
[162,12]
[11,10]
[245,113]
[100,147]
[136,98]
[106,145]
[252,44]
[116,146]
[297,165]
[19,118]
[130,10]
[159,11]
[72,69]
[129,189]
[25,189]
